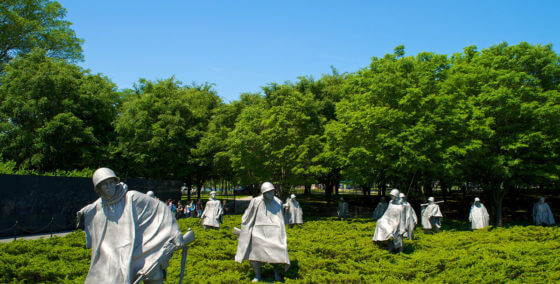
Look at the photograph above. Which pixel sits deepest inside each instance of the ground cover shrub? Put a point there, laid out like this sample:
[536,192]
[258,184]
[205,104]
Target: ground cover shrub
[323,250]
[10,168]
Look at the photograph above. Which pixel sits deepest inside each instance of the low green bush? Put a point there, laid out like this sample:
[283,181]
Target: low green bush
[10,168]
[322,250]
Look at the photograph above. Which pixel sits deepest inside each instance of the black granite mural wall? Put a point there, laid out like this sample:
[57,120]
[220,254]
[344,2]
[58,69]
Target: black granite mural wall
[42,204]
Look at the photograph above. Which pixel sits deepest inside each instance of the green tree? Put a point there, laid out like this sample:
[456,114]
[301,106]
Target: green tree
[318,161]
[159,127]
[385,130]
[514,99]
[266,142]
[29,24]
[54,115]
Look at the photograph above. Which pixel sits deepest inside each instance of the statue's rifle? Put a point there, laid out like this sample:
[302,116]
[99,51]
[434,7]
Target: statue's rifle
[168,250]
[410,185]
[426,204]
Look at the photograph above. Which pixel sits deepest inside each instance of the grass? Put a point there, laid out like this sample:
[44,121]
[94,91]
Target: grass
[322,250]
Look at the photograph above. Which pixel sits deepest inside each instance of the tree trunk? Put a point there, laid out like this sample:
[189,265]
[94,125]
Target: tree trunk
[382,188]
[189,188]
[444,191]
[336,185]
[366,190]
[328,191]
[307,191]
[198,189]
[427,188]
[498,193]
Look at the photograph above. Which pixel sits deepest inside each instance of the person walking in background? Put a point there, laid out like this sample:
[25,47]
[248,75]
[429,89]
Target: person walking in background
[191,209]
[173,208]
[199,208]
[180,209]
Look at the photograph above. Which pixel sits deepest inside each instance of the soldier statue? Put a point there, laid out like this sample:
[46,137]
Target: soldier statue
[262,238]
[132,236]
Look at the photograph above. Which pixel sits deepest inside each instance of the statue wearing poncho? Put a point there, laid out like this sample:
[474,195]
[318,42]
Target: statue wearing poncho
[392,225]
[431,216]
[380,209]
[542,214]
[479,215]
[410,216]
[294,213]
[129,232]
[342,211]
[263,234]
[212,212]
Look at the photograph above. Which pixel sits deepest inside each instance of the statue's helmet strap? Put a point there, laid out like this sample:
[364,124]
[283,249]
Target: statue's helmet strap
[102,174]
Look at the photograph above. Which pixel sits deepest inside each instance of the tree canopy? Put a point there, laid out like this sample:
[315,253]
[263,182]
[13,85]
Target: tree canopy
[55,115]
[487,117]
[29,24]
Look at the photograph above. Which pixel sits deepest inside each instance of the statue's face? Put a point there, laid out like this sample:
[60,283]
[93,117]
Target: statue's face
[541,200]
[212,194]
[108,187]
[269,195]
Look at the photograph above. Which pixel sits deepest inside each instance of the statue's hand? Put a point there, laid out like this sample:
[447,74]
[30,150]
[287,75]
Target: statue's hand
[184,240]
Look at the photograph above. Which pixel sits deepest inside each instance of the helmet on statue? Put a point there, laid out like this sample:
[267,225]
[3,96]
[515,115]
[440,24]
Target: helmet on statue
[267,186]
[102,174]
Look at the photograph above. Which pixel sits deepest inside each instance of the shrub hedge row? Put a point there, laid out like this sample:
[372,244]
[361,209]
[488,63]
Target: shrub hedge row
[322,250]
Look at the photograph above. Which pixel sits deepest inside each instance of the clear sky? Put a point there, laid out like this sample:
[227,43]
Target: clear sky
[241,46]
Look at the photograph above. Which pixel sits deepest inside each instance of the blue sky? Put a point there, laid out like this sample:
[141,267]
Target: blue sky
[241,46]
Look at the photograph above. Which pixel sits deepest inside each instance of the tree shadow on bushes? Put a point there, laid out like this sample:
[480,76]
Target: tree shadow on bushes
[293,271]
[268,272]
[455,225]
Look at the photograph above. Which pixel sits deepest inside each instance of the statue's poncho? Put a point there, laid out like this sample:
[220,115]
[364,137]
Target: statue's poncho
[380,210]
[411,220]
[294,213]
[431,217]
[127,236]
[212,213]
[391,225]
[479,216]
[343,209]
[542,214]
[263,234]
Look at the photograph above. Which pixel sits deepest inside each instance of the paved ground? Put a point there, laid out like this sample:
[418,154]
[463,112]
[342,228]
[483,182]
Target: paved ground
[247,198]
[34,237]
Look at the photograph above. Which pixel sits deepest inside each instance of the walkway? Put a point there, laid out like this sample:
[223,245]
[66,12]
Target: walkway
[34,237]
